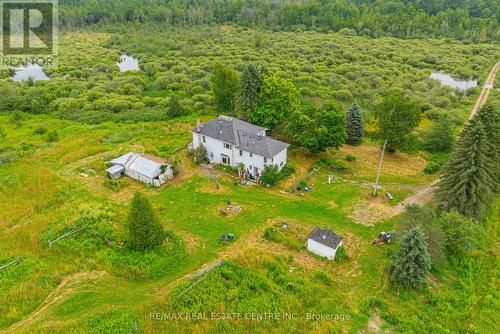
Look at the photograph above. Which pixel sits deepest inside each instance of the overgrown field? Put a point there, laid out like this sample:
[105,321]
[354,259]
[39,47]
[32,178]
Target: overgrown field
[52,178]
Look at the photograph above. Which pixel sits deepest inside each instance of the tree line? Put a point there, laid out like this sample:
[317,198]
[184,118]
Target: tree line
[464,196]
[468,20]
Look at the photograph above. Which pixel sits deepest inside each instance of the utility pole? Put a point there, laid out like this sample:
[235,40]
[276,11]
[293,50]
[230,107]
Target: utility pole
[379,168]
[381,160]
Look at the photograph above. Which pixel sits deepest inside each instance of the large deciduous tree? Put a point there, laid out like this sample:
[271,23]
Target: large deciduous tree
[278,98]
[411,264]
[467,183]
[354,125]
[145,231]
[225,86]
[318,128]
[249,91]
[397,118]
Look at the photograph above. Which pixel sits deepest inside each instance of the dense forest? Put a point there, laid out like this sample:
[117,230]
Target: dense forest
[466,20]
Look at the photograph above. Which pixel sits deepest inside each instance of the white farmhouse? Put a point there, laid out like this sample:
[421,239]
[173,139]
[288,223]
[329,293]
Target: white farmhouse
[324,242]
[232,142]
[151,171]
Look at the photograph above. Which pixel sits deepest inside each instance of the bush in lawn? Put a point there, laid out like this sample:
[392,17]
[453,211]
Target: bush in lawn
[200,155]
[411,264]
[52,136]
[333,165]
[350,158]
[271,234]
[286,171]
[323,277]
[436,162]
[270,175]
[341,255]
[115,185]
[462,234]
[145,231]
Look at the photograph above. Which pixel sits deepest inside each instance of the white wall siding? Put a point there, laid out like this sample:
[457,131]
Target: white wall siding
[215,148]
[321,250]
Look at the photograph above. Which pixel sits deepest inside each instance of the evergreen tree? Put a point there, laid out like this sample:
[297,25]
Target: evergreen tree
[248,96]
[225,87]
[490,117]
[440,137]
[467,183]
[426,219]
[145,231]
[354,125]
[411,264]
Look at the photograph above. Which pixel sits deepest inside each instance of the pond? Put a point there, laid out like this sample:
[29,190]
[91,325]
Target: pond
[34,72]
[128,63]
[449,81]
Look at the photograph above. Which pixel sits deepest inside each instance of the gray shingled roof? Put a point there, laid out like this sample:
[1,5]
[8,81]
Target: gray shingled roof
[325,237]
[244,135]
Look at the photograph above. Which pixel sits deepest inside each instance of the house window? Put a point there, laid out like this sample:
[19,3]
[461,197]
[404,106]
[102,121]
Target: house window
[272,159]
[204,139]
[251,155]
[265,160]
[211,154]
[241,153]
[227,146]
[281,164]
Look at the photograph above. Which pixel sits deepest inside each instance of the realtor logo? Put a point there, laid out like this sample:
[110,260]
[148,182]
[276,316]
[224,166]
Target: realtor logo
[28,31]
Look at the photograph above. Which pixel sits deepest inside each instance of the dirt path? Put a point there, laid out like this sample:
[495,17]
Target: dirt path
[66,287]
[487,87]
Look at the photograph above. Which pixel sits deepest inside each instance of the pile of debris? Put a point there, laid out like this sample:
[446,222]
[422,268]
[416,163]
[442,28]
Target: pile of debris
[231,209]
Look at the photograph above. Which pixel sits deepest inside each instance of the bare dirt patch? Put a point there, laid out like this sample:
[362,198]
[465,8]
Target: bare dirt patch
[369,213]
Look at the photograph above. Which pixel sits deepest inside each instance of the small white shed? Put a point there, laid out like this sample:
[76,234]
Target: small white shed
[324,242]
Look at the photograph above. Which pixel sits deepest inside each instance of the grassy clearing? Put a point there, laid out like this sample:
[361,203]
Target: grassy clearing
[81,286]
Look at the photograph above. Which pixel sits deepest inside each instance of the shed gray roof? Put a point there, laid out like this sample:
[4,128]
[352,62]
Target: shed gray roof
[115,169]
[325,237]
[246,136]
[137,163]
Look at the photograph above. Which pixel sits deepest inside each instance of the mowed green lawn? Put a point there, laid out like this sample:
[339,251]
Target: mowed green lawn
[81,286]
